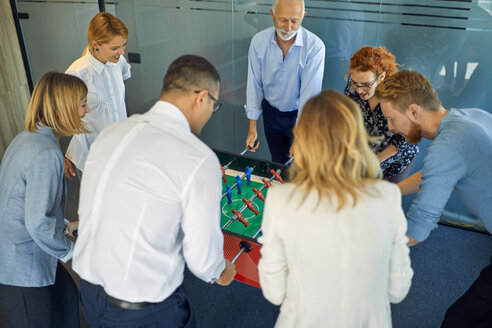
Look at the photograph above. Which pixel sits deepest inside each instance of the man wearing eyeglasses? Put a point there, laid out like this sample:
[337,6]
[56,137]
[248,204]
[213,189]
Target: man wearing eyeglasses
[285,69]
[149,204]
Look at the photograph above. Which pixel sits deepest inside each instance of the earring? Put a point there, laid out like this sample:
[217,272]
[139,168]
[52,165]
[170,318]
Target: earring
[97,49]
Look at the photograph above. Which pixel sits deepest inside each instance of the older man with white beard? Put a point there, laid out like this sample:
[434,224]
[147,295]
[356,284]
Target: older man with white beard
[285,69]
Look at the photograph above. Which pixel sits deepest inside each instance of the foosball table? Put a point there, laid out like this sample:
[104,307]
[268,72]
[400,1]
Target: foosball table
[245,184]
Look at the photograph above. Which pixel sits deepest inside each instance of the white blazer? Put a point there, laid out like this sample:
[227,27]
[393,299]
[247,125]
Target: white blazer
[334,269]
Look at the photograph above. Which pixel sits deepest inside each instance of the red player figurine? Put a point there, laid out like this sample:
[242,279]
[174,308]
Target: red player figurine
[223,175]
[267,182]
[249,204]
[259,194]
[277,176]
[239,217]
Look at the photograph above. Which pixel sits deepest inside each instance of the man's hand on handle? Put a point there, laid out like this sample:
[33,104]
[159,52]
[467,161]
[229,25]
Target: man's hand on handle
[252,137]
[227,275]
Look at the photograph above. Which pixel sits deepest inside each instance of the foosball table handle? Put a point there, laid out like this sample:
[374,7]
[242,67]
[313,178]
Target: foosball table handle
[245,247]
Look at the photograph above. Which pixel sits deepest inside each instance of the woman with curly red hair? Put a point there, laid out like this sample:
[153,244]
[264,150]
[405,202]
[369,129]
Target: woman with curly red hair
[368,67]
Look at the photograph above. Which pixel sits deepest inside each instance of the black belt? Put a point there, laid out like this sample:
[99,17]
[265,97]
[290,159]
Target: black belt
[120,303]
[265,105]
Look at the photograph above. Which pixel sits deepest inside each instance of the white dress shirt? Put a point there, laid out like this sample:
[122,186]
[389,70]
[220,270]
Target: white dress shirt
[149,202]
[106,100]
[334,269]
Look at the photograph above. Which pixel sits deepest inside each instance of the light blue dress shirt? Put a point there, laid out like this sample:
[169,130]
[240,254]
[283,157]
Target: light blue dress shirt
[32,206]
[459,158]
[287,84]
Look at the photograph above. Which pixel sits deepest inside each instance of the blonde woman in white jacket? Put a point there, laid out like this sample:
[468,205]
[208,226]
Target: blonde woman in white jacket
[334,249]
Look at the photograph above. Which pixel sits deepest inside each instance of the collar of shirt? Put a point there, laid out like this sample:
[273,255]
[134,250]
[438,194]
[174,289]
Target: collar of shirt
[96,64]
[298,42]
[165,111]
[45,131]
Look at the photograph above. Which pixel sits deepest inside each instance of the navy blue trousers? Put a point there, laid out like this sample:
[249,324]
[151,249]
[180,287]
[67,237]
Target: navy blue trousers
[173,312]
[474,308]
[278,131]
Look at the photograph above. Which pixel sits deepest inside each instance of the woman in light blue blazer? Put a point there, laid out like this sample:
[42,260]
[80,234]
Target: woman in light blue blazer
[36,289]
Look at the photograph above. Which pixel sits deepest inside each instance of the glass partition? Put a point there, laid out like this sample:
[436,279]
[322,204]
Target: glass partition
[55,32]
[447,41]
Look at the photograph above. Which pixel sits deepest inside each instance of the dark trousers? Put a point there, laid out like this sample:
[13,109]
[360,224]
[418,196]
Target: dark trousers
[474,308]
[278,131]
[51,306]
[173,312]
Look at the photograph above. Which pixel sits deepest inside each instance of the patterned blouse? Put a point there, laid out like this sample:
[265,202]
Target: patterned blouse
[376,125]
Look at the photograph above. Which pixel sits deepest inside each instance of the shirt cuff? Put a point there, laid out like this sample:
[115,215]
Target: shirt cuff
[252,113]
[219,273]
[416,231]
[128,73]
[67,257]
[421,222]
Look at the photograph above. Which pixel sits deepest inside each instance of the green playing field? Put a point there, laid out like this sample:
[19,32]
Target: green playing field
[237,202]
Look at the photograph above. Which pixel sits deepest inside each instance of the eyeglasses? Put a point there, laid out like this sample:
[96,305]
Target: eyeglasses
[217,104]
[365,86]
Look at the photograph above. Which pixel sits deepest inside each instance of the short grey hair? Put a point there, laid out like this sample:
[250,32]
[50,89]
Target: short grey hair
[276,1]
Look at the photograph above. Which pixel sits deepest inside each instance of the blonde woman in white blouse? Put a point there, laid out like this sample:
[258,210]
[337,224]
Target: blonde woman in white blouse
[334,247]
[103,68]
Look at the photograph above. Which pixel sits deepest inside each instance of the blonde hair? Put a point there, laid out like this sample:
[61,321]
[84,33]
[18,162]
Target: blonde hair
[408,87]
[103,28]
[55,104]
[331,149]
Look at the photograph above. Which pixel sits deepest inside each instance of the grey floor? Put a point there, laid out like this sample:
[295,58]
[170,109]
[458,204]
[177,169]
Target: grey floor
[444,265]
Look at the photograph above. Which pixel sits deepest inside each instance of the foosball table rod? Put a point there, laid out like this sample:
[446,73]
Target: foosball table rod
[251,169]
[248,203]
[245,247]
[225,167]
[257,233]
[266,184]
[236,216]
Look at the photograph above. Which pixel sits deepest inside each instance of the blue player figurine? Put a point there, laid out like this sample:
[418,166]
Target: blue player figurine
[229,194]
[248,175]
[238,181]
